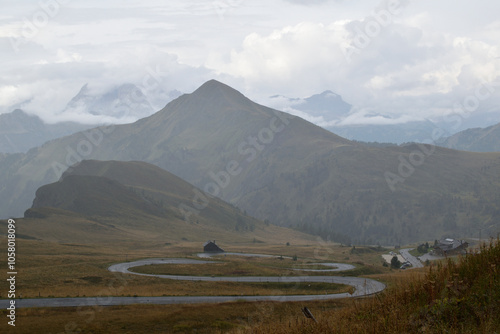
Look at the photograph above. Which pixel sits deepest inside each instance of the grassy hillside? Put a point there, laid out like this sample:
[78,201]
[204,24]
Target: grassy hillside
[457,296]
[449,194]
[93,196]
[114,201]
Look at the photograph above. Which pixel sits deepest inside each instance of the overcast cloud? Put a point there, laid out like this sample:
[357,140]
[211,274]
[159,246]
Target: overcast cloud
[407,60]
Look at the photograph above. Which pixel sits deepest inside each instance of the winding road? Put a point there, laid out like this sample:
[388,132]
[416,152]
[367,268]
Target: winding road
[362,287]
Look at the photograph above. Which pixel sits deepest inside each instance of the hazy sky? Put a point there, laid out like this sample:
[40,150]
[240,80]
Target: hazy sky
[409,59]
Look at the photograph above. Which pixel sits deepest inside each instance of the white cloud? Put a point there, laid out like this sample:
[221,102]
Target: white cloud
[401,67]
[10,94]
[365,117]
[296,58]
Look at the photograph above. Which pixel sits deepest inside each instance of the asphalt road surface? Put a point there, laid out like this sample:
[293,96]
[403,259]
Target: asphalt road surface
[415,263]
[362,287]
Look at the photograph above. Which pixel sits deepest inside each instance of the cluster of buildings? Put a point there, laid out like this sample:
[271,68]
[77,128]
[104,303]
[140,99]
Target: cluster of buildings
[450,246]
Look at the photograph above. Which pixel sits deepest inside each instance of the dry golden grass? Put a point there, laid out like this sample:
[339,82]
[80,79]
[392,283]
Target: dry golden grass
[237,266]
[204,318]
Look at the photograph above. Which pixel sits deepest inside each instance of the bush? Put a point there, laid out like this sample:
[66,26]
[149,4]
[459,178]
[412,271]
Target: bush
[395,263]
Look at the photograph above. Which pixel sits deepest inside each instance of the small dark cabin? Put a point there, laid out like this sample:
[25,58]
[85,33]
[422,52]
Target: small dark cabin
[211,247]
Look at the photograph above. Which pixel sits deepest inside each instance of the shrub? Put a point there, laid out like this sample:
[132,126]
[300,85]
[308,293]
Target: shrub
[395,263]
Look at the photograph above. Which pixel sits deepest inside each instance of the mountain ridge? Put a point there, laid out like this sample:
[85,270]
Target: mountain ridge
[475,139]
[134,200]
[19,131]
[91,195]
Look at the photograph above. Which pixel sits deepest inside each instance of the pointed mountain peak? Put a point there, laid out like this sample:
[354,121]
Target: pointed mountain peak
[19,113]
[84,90]
[329,94]
[214,87]
[215,96]
[83,94]
[214,84]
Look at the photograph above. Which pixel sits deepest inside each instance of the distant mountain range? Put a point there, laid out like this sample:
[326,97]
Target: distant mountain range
[477,140]
[416,131]
[330,111]
[124,101]
[328,105]
[282,169]
[20,132]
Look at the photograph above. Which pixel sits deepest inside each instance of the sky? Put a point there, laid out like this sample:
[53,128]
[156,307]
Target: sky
[404,59]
